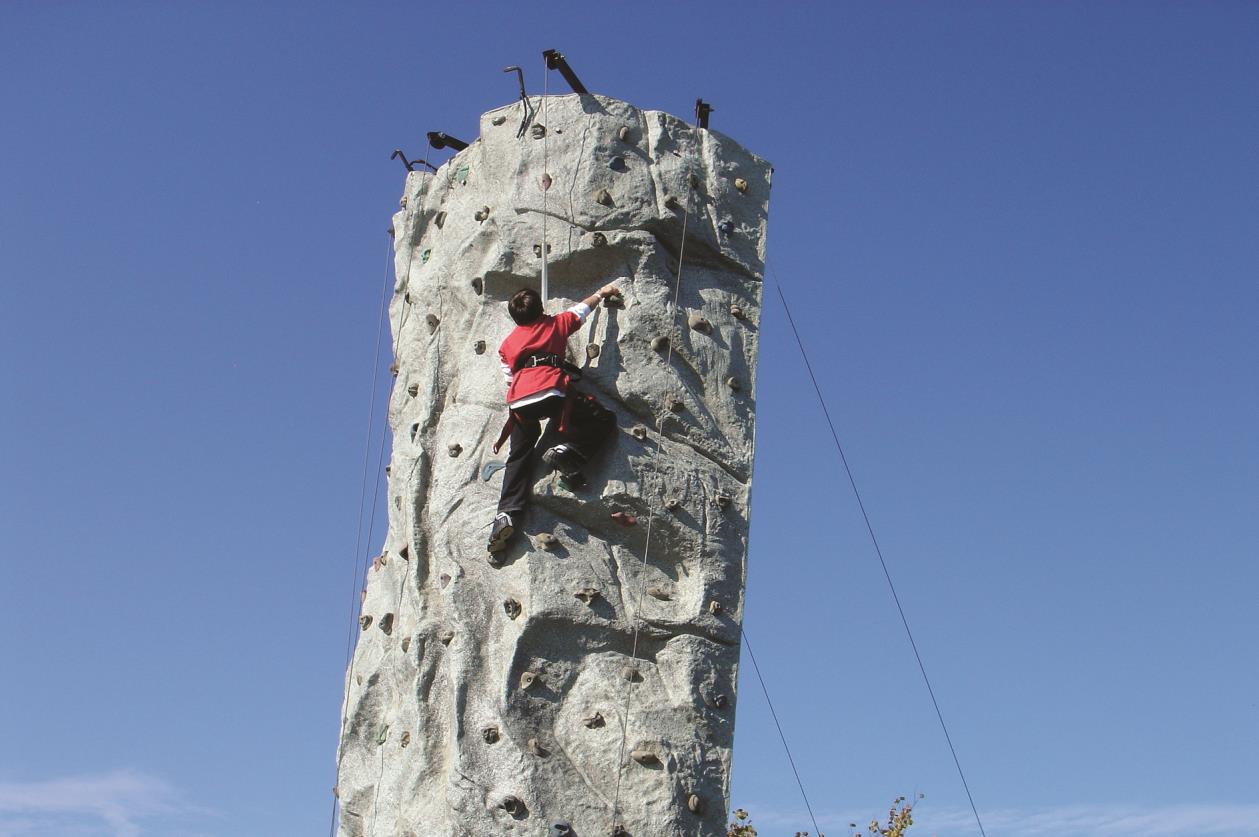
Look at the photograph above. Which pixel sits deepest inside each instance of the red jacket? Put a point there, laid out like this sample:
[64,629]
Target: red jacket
[548,335]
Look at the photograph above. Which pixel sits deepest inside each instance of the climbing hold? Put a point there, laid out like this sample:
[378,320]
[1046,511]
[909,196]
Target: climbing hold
[512,608]
[432,321]
[623,518]
[587,594]
[498,120]
[479,347]
[659,593]
[631,674]
[527,679]
[694,804]
[660,343]
[386,624]
[598,239]
[478,285]
[383,734]
[415,430]
[461,175]
[538,131]
[740,184]
[397,502]
[364,622]
[720,701]
[677,405]
[644,757]
[413,390]
[535,747]
[537,250]
[446,637]
[378,561]
[618,830]
[546,181]
[623,133]
[358,678]
[714,607]
[406,738]
[454,449]
[406,644]
[440,219]
[614,301]
[672,504]
[490,734]
[593,721]
[726,227]
[388,470]
[563,829]
[490,469]
[604,197]
[639,432]
[547,541]
[592,351]
[425,254]
[699,323]
[482,213]
[393,369]
[733,383]
[513,806]
[617,163]
[673,203]
[736,312]
[444,579]
[402,202]
[722,501]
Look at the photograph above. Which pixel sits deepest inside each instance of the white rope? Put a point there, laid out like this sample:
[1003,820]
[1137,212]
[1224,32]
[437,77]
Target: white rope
[642,586]
[546,180]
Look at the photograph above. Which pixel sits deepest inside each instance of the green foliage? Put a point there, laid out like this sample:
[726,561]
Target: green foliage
[899,818]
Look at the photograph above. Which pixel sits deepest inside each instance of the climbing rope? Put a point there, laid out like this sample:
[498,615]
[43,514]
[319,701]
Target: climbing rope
[358,536]
[629,690]
[879,552]
[546,180]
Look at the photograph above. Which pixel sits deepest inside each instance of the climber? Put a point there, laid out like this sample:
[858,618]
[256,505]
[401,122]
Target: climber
[538,387]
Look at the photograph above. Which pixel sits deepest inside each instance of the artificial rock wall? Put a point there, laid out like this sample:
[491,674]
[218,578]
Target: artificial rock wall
[486,700]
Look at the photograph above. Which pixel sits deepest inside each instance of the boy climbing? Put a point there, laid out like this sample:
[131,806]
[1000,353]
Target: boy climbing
[538,387]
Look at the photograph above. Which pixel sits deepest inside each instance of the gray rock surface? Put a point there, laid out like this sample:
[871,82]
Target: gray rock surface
[487,700]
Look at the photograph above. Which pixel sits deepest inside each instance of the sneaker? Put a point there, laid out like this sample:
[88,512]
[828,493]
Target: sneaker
[564,459]
[502,532]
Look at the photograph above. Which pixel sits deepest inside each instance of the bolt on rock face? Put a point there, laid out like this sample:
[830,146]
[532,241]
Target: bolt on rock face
[504,681]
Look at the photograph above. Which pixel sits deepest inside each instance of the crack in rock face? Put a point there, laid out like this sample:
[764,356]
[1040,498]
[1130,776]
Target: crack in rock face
[493,698]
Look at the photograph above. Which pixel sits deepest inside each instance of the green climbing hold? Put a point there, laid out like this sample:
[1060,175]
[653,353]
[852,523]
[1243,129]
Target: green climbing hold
[461,174]
[383,734]
[425,254]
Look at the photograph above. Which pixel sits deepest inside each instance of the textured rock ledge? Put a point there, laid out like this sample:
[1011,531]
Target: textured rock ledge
[482,700]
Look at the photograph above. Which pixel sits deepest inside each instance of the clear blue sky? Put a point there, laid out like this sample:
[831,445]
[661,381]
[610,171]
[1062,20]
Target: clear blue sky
[1022,243]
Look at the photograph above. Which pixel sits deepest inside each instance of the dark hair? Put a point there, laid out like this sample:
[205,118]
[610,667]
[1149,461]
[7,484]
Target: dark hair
[525,306]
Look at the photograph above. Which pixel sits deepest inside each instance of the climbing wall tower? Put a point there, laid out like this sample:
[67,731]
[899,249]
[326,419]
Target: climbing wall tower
[585,683]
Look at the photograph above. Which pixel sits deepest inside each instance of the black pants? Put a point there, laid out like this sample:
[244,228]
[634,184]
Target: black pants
[588,428]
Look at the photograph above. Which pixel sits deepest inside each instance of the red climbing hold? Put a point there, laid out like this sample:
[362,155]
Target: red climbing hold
[624,519]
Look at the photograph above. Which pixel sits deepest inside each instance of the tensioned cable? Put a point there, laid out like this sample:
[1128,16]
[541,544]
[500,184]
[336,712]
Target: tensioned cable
[362,497]
[879,552]
[781,736]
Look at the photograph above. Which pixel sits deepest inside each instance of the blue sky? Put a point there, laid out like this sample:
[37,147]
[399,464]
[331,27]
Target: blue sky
[1021,244]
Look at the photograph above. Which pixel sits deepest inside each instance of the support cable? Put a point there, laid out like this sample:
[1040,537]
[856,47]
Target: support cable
[879,552]
[362,496]
[781,737]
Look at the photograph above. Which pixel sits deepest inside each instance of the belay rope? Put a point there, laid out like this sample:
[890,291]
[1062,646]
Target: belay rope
[642,586]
